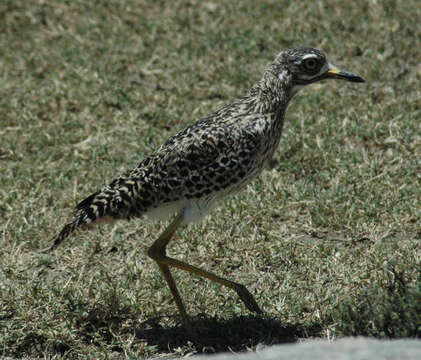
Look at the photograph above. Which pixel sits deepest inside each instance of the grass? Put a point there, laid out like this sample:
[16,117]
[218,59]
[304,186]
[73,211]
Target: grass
[328,241]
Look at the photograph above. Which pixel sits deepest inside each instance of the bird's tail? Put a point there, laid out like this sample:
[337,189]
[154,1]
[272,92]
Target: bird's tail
[123,198]
[65,232]
[94,208]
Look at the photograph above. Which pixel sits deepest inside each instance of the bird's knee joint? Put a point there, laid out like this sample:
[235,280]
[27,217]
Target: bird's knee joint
[156,253]
[241,289]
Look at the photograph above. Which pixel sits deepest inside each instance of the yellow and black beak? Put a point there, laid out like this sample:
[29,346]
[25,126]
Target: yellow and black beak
[335,73]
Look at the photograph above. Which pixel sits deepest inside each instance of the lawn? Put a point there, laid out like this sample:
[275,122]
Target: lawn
[328,241]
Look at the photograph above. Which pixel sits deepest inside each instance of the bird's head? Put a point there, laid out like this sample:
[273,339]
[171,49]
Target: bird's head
[303,66]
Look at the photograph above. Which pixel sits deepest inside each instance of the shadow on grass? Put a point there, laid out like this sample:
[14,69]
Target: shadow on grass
[217,335]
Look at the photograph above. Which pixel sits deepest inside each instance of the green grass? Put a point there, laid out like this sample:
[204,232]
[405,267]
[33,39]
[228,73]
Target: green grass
[328,241]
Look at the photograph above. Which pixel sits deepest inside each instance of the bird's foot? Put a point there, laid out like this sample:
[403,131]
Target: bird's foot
[248,299]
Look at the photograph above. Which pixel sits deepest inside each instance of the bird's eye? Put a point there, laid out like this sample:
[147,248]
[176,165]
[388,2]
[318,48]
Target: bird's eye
[311,64]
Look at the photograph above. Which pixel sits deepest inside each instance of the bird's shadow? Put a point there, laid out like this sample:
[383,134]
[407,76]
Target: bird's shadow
[218,335]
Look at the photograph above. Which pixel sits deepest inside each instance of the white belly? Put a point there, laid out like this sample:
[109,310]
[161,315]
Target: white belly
[194,210]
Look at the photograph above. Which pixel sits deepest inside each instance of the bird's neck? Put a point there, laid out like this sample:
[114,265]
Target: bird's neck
[272,93]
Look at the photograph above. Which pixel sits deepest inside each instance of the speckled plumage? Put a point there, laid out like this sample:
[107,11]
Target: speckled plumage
[215,156]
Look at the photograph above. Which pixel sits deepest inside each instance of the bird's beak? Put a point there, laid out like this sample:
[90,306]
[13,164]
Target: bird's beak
[335,73]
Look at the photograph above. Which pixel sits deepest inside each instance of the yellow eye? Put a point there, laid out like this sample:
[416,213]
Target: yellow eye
[310,64]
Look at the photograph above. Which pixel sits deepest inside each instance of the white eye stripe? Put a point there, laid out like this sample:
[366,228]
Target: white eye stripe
[309,56]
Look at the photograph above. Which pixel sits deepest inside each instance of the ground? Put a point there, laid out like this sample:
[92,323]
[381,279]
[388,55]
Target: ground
[328,241]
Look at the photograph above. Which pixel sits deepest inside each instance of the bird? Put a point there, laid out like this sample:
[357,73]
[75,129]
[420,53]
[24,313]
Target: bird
[214,157]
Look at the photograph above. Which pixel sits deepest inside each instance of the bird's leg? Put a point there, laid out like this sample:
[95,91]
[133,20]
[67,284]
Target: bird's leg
[157,253]
[240,289]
